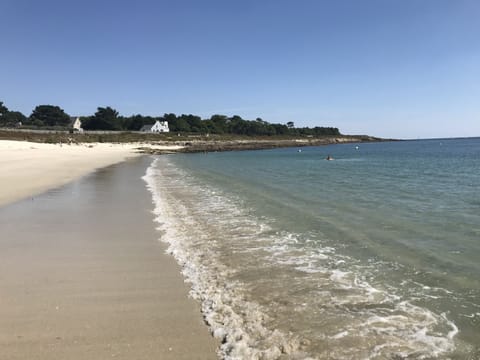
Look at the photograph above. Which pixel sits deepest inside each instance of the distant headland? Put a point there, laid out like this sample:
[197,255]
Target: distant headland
[50,124]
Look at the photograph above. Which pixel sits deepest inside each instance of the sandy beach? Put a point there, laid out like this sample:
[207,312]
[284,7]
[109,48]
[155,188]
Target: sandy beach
[29,168]
[82,273]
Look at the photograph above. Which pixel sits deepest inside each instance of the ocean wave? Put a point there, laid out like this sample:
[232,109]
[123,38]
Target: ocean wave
[271,294]
[236,322]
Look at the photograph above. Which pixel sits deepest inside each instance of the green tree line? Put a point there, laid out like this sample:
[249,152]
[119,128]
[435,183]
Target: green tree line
[107,118]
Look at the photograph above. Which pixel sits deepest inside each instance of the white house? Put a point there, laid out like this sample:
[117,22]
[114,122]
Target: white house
[76,123]
[159,126]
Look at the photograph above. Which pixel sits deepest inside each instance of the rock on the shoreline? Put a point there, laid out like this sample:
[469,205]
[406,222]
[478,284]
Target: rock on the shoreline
[196,146]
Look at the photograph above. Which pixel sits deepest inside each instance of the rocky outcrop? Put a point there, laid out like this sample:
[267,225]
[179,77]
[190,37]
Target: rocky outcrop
[196,146]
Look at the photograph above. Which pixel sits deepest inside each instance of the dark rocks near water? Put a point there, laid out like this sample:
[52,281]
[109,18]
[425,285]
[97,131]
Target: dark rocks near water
[205,146]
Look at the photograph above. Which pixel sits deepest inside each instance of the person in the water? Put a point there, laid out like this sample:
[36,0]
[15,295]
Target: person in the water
[329,157]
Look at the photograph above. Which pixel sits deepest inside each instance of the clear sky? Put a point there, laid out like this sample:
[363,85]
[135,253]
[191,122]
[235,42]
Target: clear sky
[391,68]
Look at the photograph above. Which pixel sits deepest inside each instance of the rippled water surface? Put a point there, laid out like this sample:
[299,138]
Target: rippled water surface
[375,255]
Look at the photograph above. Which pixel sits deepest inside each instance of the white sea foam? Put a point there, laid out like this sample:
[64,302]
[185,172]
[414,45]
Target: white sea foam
[236,322]
[231,260]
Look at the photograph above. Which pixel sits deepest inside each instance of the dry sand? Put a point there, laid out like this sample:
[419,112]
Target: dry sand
[82,276]
[28,168]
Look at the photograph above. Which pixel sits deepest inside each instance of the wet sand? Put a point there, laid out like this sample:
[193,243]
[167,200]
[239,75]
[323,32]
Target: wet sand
[83,276]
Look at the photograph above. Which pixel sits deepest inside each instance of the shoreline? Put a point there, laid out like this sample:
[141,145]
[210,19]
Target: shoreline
[169,143]
[88,276]
[31,168]
[202,145]
[52,162]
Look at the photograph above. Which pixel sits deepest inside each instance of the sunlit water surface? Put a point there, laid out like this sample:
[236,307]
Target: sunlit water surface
[375,255]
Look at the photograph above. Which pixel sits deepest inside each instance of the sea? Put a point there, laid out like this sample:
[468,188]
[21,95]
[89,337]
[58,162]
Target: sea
[373,255]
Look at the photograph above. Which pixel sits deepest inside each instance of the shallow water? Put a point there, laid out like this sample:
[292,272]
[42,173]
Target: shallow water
[375,255]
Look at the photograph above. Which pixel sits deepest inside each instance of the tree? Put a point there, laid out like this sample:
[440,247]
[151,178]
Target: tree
[49,115]
[194,122]
[170,117]
[135,122]
[219,123]
[182,125]
[172,121]
[108,114]
[12,118]
[3,109]
[290,124]
[280,129]
[104,119]
[3,114]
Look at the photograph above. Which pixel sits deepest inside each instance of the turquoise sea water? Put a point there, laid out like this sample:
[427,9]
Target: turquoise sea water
[375,255]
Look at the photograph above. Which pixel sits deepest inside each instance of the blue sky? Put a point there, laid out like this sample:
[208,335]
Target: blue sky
[391,68]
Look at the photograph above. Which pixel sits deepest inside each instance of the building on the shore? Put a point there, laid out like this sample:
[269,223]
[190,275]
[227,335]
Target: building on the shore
[159,126]
[76,123]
